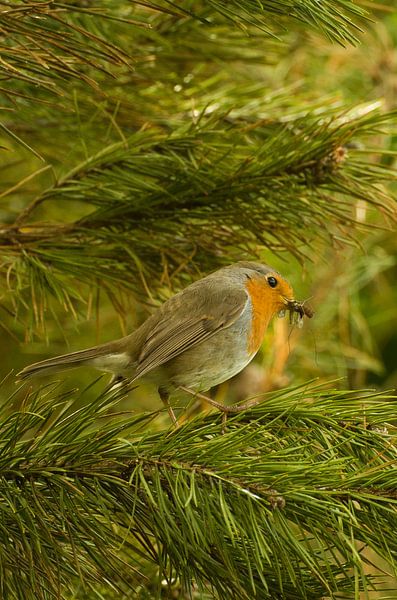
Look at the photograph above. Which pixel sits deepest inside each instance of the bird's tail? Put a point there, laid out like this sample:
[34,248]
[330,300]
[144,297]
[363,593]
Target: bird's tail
[105,357]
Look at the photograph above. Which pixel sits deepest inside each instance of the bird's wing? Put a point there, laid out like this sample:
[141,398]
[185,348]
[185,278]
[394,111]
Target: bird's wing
[188,319]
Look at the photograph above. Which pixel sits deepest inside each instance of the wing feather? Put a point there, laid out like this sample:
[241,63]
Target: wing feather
[169,337]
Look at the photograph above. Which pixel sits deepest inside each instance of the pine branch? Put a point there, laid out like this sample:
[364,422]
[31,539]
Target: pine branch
[171,145]
[163,203]
[334,19]
[34,49]
[268,510]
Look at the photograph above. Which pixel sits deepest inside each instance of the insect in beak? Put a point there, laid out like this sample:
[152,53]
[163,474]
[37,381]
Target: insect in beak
[297,310]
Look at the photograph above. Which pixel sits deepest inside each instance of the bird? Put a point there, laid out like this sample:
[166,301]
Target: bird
[198,338]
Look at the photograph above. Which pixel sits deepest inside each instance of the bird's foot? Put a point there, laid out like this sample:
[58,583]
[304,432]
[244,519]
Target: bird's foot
[165,398]
[225,409]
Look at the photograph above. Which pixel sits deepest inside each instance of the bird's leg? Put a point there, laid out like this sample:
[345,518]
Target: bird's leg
[233,408]
[224,419]
[214,403]
[164,396]
[217,405]
[236,408]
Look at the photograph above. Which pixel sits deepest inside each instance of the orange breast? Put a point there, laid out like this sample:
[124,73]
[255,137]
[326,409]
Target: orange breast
[263,308]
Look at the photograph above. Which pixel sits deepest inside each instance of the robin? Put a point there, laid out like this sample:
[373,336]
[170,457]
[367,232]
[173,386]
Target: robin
[198,338]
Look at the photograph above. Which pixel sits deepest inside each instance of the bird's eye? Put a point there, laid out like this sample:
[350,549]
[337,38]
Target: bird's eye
[272,281]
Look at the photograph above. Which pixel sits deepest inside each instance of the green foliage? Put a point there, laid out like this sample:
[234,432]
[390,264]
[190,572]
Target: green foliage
[269,509]
[158,201]
[156,160]
[50,43]
[145,143]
